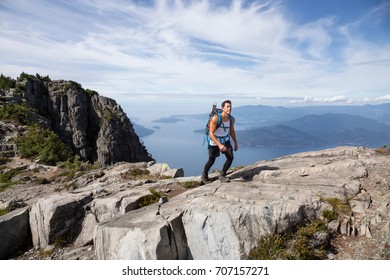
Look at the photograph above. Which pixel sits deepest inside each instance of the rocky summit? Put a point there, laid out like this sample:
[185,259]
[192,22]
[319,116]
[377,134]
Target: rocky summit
[149,211]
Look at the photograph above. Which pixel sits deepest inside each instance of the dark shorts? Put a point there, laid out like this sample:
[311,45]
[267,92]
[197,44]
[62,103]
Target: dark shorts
[215,152]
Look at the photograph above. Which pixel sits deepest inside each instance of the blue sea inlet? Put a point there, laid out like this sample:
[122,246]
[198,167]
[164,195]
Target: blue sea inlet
[177,145]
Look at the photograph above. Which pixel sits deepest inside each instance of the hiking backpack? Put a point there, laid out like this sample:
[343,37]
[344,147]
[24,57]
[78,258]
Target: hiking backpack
[214,111]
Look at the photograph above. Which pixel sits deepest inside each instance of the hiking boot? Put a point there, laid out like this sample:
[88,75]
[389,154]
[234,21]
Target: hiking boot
[205,178]
[224,179]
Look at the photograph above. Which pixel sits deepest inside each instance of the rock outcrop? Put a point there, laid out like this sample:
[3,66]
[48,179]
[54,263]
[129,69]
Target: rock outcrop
[103,217]
[93,126]
[15,232]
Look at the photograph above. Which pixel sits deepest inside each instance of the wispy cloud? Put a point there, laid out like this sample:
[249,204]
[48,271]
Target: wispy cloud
[379,99]
[326,100]
[201,48]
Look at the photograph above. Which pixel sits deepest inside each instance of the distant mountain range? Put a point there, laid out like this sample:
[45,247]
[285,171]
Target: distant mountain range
[312,126]
[260,115]
[277,136]
[318,131]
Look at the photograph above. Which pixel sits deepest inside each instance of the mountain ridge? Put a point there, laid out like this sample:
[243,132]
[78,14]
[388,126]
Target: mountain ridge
[267,115]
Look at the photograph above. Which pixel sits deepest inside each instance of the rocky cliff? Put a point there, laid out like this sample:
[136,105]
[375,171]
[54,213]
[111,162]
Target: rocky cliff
[92,126]
[149,211]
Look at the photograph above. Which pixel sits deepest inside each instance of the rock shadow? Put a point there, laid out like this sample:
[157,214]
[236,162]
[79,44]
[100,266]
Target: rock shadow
[247,174]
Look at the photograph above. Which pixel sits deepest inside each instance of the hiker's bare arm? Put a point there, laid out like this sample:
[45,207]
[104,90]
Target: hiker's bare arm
[213,128]
[233,134]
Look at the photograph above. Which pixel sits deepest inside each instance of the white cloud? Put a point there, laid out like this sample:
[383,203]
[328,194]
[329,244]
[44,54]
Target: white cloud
[322,100]
[383,98]
[192,47]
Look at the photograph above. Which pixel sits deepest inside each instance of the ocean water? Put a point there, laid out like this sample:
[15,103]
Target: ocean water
[177,145]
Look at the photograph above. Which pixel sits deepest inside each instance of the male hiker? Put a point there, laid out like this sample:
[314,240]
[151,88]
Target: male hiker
[221,129]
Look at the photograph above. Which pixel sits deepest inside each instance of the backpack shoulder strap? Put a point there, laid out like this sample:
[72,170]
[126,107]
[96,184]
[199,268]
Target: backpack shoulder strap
[219,119]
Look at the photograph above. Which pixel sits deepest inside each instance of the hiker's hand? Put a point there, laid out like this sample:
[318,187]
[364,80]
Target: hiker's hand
[235,147]
[223,148]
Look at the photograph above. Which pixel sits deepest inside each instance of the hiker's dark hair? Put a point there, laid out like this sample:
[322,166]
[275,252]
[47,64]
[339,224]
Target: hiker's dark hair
[226,101]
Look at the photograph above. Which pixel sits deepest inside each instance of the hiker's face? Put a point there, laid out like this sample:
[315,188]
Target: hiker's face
[227,109]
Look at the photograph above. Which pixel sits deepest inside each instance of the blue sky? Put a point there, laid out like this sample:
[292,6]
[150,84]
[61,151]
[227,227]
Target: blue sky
[179,55]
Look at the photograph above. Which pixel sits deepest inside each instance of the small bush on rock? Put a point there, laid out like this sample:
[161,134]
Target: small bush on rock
[3,212]
[15,112]
[43,144]
[340,208]
[149,199]
[6,82]
[383,151]
[190,184]
[270,247]
[308,243]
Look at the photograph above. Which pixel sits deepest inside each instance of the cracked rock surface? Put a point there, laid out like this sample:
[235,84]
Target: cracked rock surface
[101,218]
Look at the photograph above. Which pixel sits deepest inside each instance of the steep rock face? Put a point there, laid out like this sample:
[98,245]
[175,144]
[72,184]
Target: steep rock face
[93,126]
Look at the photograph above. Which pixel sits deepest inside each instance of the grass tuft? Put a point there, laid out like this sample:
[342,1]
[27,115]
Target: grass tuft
[308,243]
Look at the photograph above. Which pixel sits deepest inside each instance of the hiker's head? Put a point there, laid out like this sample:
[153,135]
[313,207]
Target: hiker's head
[226,106]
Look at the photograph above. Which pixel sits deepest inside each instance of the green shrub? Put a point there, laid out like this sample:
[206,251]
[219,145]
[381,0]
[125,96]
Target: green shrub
[90,92]
[3,212]
[42,78]
[44,253]
[25,76]
[42,143]
[302,246]
[29,77]
[108,115]
[149,199]
[270,247]
[190,184]
[3,159]
[5,178]
[137,173]
[235,168]
[75,167]
[63,241]
[298,246]
[16,112]
[73,85]
[383,151]
[6,82]
[330,215]
[340,208]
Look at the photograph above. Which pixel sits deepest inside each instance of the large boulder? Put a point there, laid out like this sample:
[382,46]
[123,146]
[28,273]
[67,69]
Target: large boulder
[106,208]
[142,235]
[57,218]
[14,232]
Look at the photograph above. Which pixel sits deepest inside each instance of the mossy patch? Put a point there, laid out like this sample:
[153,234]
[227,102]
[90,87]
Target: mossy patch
[150,199]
